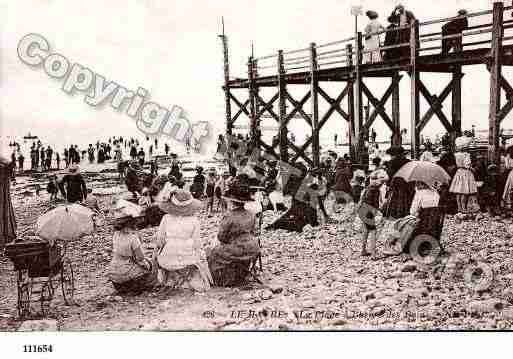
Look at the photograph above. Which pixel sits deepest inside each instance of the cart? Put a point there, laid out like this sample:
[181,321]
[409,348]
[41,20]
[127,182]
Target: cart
[40,269]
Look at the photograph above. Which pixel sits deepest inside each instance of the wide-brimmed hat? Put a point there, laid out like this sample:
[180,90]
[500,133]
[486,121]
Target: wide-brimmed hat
[371,14]
[395,151]
[239,191]
[462,142]
[180,203]
[74,169]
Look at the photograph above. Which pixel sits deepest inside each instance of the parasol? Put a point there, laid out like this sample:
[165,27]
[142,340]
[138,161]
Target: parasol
[67,222]
[423,171]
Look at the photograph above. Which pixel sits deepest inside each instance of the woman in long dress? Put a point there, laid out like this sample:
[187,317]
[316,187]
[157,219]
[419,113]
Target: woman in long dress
[179,254]
[372,40]
[129,271]
[7,218]
[463,184]
[400,193]
[230,261]
[301,212]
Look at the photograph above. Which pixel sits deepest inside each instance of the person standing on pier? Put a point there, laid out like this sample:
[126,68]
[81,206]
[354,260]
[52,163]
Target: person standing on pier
[372,40]
[404,18]
[454,27]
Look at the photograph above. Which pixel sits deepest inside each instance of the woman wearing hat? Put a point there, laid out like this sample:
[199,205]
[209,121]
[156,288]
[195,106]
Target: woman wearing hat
[129,271]
[372,40]
[230,261]
[7,218]
[343,175]
[463,184]
[400,193]
[179,254]
[198,183]
[74,184]
[301,212]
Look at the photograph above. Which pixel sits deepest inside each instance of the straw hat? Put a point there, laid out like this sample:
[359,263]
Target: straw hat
[180,203]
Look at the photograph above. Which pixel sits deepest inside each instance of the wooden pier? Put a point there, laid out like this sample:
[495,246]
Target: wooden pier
[489,44]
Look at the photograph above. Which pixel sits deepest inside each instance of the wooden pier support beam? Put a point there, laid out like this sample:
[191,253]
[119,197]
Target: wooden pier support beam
[495,84]
[353,141]
[252,102]
[396,131]
[415,89]
[282,93]
[314,97]
[226,88]
[358,101]
[457,75]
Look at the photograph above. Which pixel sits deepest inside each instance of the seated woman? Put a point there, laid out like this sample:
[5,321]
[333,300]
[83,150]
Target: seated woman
[300,212]
[181,260]
[129,271]
[425,208]
[230,261]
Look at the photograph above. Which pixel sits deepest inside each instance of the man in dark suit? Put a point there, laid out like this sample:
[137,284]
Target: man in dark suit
[454,27]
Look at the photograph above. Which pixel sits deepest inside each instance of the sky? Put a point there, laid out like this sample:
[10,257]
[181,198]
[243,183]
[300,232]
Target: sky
[171,48]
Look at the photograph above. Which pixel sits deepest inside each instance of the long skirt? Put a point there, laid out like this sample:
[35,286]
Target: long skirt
[7,218]
[463,182]
[195,277]
[399,198]
[137,285]
[299,215]
[229,262]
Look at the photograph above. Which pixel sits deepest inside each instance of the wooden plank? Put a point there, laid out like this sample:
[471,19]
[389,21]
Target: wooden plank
[415,92]
[436,105]
[226,87]
[314,86]
[353,142]
[282,90]
[298,108]
[378,108]
[426,63]
[240,112]
[252,102]
[396,135]
[381,104]
[456,104]
[243,108]
[495,85]
[334,105]
[358,97]
[267,106]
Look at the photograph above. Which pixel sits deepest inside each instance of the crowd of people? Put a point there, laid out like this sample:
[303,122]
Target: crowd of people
[45,158]
[384,203]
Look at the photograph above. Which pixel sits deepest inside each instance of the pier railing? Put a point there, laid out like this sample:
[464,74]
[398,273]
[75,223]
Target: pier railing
[351,51]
